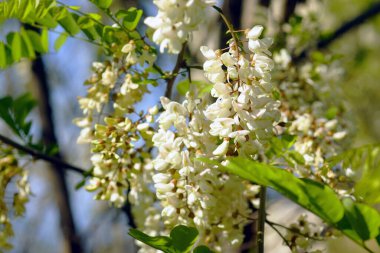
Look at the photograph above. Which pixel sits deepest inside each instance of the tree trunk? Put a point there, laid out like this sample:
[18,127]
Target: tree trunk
[71,240]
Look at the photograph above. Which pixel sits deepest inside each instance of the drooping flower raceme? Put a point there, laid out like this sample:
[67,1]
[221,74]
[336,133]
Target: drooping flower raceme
[240,122]
[316,116]
[245,111]
[190,191]
[12,202]
[113,90]
[175,21]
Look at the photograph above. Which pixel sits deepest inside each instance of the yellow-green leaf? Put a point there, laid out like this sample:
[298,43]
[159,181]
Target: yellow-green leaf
[60,41]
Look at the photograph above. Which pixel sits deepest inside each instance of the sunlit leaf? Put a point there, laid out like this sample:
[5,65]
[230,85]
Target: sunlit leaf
[183,238]
[60,41]
[163,243]
[130,18]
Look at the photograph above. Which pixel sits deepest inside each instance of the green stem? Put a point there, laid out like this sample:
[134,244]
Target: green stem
[261,220]
[228,24]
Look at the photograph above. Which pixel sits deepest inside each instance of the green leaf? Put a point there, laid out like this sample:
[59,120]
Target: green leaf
[365,161]
[30,51]
[109,34]
[130,18]
[45,40]
[80,184]
[14,113]
[47,21]
[60,41]
[358,221]
[26,9]
[88,27]
[14,40]
[183,238]
[313,196]
[102,4]
[36,41]
[95,16]
[296,157]
[332,112]
[364,220]
[202,249]
[3,59]
[74,7]
[163,243]
[6,104]
[68,23]
[184,86]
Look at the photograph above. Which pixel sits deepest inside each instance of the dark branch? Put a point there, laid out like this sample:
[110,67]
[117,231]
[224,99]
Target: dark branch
[177,67]
[41,156]
[72,242]
[370,12]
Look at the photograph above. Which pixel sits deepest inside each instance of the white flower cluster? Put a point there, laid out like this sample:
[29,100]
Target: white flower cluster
[302,234]
[113,141]
[190,191]
[240,122]
[12,203]
[245,111]
[316,116]
[175,21]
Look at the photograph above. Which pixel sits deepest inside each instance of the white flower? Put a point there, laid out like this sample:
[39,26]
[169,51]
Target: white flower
[220,109]
[208,53]
[163,188]
[221,127]
[221,90]
[255,32]
[175,22]
[221,149]
[227,59]
[108,77]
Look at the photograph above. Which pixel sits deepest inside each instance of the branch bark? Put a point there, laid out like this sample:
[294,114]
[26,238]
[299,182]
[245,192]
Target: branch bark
[41,156]
[177,67]
[353,23]
[72,243]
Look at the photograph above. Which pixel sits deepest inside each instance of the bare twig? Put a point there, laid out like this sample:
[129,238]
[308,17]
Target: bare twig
[370,12]
[280,234]
[40,156]
[170,80]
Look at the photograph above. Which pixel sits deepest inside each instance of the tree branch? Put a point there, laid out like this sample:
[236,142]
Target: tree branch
[71,240]
[370,12]
[40,156]
[261,220]
[177,67]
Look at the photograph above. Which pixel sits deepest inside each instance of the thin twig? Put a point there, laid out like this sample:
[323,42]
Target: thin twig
[280,234]
[229,25]
[370,12]
[293,231]
[41,156]
[177,67]
[194,67]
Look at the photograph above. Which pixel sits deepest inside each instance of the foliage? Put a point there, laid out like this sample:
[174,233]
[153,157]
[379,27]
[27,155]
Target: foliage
[181,240]
[209,157]
[358,221]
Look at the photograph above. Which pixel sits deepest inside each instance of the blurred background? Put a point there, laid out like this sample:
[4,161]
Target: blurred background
[58,215]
